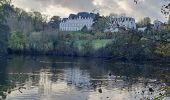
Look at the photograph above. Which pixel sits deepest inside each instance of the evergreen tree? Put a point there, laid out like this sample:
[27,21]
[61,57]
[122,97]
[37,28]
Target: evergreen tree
[84,29]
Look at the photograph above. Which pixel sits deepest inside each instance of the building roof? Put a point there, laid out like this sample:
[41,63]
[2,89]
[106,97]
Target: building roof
[80,14]
[122,18]
[157,21]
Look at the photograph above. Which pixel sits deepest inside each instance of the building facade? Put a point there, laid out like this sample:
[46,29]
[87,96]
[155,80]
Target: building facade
[77,22]
[157,25]
[123,21]
[142,29]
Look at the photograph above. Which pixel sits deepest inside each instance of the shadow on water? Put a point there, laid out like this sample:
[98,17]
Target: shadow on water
[37,78]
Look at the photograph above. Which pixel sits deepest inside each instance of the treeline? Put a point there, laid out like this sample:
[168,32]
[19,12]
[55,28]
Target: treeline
[30,33]
[4,29]
[126,45]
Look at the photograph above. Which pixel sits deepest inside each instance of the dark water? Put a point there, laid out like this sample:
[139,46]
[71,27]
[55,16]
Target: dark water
[49,78]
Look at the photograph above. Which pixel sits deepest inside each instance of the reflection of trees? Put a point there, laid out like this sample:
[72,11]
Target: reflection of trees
[128,72]
[3,73]
[3,78]
[82,74]
[45,83]
[78,78]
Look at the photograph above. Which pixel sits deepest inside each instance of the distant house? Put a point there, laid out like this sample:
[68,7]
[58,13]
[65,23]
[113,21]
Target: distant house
[123,21]
[142,29]
[157,25]
[75,22]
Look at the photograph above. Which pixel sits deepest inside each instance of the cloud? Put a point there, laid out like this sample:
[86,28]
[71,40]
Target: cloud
[43,5]
[145,8]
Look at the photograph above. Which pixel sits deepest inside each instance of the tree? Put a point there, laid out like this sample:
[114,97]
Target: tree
[17,41]
[55,22]
[4,30]
[84,29]
[4,8]
[101,24]
[144,22]
[147,21]
[97,16]
[166,9]
[38,21]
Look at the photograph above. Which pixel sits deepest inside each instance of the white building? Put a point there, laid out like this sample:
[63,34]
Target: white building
[142,29]
[77,22]
[157,24]
[123,21]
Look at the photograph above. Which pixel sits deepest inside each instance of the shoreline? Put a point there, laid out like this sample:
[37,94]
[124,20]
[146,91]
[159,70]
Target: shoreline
[105,58]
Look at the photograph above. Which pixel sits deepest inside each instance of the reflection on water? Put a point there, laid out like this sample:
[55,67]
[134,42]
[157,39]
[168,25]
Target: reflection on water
[49,78]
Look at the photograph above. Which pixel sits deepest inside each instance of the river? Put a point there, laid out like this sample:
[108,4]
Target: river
[67,78]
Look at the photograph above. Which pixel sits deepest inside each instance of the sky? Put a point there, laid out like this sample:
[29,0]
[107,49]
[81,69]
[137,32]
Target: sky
[144,8]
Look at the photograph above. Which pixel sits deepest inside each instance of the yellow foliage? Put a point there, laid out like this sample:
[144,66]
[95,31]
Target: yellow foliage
[163,49]
[166,27]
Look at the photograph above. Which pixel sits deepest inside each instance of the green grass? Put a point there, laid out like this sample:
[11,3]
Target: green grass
[97,43]
[77,33]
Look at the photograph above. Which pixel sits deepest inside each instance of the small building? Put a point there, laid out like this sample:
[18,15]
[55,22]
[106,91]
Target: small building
[123,21]
[142,29]
[157,25]
[75,22]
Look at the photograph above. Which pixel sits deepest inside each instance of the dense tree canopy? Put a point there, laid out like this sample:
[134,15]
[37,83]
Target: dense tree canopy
[4,29]
[29,32]
[55,22]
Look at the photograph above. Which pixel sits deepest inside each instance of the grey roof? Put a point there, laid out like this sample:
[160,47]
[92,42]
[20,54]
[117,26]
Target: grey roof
[82,15]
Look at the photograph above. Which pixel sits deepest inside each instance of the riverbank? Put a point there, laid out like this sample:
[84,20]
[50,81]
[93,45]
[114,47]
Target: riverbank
[158,59]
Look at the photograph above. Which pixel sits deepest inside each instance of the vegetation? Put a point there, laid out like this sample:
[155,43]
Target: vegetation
[145,22]
[4,29]
[24,32]
[29,33]
[42,38]
[166,94]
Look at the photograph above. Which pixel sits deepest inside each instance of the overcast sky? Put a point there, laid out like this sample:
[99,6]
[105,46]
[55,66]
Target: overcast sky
[145,8]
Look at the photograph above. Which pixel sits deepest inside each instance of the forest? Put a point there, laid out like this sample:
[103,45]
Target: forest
[32,33]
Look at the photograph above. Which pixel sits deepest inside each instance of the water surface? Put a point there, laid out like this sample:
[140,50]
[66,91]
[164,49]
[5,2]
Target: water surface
[64,78]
